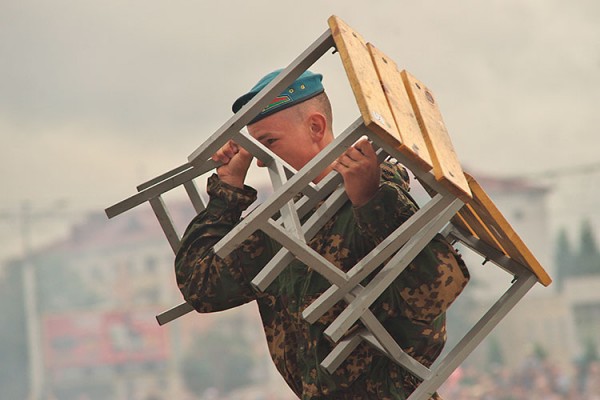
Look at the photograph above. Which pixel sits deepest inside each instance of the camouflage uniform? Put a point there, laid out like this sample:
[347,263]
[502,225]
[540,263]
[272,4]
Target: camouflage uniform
[412,308]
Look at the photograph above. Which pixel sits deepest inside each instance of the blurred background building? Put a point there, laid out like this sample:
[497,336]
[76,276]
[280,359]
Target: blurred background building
[96,292]
[98,96]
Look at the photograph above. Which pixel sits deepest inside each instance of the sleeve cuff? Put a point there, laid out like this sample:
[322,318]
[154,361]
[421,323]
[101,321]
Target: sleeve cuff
[228,200]
[373,210]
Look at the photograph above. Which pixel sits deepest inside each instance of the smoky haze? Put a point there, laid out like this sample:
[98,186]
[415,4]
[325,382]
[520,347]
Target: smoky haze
[99,96]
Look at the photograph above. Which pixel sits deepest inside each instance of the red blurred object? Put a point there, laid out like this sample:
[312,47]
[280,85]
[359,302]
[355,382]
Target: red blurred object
[90,339]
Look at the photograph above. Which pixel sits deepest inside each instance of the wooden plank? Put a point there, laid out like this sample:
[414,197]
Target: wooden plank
[504,233]
[411,142]
[497,233]
[480,229]
[363,78]
[446,166]
[460,222]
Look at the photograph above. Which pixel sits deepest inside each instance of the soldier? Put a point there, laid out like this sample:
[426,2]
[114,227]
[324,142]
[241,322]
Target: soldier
[296,126]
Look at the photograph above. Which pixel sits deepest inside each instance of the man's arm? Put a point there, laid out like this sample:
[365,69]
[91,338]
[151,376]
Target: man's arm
[207,281]
[389,207]
[235,161]
[379,194]
[435,278]
[360,170]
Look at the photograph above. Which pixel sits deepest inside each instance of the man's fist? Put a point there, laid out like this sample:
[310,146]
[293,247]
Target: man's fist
[235,163]
[361,172]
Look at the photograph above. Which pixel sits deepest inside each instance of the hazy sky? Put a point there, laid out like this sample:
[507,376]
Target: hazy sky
[98,96]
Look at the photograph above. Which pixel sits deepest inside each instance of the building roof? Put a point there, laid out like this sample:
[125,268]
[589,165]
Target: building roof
[510,184]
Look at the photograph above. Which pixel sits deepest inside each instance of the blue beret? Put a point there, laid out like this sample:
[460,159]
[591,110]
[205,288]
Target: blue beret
[307,85]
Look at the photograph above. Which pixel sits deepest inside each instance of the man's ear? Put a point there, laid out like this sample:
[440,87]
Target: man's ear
[317,124]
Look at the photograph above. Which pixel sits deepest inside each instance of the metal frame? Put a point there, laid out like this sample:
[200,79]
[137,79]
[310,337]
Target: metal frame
[400,247]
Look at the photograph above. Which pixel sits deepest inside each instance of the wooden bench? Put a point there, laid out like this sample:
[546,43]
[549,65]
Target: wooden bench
[402,118]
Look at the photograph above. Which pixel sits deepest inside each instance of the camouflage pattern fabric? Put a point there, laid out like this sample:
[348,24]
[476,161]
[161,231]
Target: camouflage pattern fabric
[412,309]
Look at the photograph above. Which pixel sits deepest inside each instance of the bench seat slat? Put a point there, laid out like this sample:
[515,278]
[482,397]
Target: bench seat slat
[503,231]
[363,78]
[410,141]
[446,167]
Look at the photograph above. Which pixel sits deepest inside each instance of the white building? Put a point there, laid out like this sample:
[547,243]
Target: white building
[543,319]
[100,290]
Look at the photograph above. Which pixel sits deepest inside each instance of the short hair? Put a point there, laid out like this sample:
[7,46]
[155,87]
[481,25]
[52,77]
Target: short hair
[318,103]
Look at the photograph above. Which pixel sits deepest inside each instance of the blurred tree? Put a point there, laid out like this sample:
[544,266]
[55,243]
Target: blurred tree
[539,352]
[221,358]
[13,334]
[588,257]
[589,356]
[564,258]
[590,352]
[495,353]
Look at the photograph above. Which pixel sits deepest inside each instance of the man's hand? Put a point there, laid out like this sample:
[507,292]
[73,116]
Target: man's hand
[235,163]
[361,172]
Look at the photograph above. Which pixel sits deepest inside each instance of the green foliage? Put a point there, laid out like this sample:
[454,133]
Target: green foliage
[563,257]
[540,352]
[582,261]
[588,257]
[495,353]
[220,359]
[590,352]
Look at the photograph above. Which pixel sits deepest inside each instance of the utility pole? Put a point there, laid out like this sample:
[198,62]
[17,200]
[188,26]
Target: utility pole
[36,371]
[25,220]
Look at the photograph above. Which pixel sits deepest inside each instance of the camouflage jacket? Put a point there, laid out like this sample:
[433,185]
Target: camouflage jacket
[412,309]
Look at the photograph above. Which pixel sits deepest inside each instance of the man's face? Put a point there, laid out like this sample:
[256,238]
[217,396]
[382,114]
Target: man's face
[288,135]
